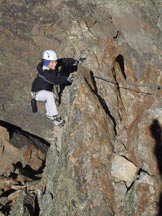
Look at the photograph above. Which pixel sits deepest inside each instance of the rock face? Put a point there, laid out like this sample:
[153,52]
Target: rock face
[107,158]
[21,163]
[123,170]
[82,180]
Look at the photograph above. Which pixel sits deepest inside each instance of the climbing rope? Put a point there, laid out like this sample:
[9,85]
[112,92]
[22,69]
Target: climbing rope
[152,86]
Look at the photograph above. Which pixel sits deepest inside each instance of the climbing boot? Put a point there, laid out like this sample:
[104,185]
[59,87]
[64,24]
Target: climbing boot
[57,120]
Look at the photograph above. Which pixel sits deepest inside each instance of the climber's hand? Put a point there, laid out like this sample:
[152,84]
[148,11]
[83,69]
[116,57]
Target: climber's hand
[79,61]
[70,78]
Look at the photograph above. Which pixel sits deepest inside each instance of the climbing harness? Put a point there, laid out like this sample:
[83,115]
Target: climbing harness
[152,86]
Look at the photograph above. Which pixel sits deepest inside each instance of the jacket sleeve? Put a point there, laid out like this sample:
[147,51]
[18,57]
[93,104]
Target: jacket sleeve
[60,80]
[54,79]
[65,62]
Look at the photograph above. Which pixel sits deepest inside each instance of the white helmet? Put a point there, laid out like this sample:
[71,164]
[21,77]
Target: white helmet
[50,55]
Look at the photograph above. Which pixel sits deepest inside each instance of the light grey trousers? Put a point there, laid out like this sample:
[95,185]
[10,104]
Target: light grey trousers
[49,99]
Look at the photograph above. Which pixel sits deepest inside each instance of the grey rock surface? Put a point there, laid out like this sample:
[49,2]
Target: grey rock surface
[113,107]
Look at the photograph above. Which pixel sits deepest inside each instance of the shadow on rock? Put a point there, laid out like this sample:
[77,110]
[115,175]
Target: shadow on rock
[120,61]
[101,100]
[156,131]
[15,130]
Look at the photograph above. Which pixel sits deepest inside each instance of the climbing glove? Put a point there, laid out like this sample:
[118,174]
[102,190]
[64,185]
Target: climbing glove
[70,78]
[79,61]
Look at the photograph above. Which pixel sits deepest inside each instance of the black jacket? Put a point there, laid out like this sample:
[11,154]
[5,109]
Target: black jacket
[47,78]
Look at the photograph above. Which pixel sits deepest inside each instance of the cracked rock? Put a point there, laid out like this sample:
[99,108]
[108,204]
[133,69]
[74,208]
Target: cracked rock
[123,170]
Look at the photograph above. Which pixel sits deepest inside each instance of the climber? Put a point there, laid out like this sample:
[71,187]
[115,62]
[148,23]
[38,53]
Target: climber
[48,76]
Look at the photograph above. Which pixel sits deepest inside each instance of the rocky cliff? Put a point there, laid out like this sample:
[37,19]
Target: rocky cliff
[106,160]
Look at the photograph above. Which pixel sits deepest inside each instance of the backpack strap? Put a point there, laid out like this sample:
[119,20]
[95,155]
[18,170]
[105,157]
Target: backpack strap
[45,79]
